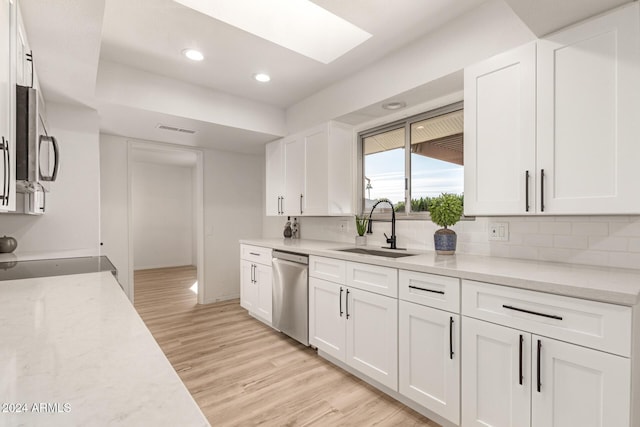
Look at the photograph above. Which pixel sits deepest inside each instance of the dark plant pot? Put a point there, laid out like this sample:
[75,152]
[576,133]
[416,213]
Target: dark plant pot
[8,244]
[445,241]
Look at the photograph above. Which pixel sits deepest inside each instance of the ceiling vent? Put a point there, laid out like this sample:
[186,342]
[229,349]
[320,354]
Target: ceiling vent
[175,129]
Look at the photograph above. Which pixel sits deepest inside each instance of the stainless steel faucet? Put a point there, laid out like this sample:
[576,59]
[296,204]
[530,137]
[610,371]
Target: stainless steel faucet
[391,240]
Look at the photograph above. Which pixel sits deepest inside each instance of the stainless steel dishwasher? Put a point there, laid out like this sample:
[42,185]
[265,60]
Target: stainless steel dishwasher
[291,295]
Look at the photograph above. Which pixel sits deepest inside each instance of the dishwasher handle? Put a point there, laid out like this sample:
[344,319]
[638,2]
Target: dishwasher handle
[290,256]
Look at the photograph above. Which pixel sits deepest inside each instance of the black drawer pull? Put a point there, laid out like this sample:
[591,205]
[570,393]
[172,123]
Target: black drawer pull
[550,316]
[254,254]
[427,290]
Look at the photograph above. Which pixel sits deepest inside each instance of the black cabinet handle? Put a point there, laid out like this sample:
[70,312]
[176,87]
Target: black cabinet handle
[550,316]
[341,290]
[254,254]
[541,190]
[539,385]
[347,303]
[427,290]
[301,204]
[520,360]
[526,191]
[451,337]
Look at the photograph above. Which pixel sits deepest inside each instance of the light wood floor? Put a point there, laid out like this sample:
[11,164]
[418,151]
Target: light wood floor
[241,372]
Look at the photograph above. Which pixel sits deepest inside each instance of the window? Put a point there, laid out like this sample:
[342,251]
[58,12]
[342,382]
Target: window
[413,159]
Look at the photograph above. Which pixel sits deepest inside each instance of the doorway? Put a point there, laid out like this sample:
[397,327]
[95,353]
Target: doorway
[165,211]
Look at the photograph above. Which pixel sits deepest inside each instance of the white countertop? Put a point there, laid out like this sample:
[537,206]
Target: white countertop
[74,348]
[612,285]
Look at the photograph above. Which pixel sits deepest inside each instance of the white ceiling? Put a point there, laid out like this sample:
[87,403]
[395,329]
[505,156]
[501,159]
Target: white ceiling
[76,43]
[150,34]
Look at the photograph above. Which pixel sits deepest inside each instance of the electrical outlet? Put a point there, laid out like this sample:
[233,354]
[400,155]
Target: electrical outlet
[499,231]
[343,226]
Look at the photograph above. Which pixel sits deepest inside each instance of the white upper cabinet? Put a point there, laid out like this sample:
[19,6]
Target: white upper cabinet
[499,133]
[294,170]
[551,127]
[274,167]
[588,127]
[7,106]
[315,176]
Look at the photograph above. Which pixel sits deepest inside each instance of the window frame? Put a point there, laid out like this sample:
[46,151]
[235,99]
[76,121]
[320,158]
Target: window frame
[398,124]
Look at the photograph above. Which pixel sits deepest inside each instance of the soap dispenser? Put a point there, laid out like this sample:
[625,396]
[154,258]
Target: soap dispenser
[287,228]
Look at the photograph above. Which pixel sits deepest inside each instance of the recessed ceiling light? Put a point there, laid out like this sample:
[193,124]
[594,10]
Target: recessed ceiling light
[396,105]
[192,54]
[299,25]
[262,77]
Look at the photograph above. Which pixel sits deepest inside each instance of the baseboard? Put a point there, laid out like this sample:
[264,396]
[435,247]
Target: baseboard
[221,298]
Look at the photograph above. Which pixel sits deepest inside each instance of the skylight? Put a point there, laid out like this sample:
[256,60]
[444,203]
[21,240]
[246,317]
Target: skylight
[298,25]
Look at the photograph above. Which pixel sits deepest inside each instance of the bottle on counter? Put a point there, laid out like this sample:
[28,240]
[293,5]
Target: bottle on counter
[287,228]
[295,229]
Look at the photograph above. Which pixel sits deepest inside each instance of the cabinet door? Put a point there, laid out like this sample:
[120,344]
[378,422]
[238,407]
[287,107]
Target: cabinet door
[588,123]
[578,386]
[274,168]
[499,134]
[494,392]
[294,176]
[327,317]
[372,335]
[7,106]
[264,285]
[429,361]
[316,179]
[248,288]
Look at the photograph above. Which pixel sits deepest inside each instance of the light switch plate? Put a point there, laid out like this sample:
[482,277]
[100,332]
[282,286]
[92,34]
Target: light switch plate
[499,231]
[343,226]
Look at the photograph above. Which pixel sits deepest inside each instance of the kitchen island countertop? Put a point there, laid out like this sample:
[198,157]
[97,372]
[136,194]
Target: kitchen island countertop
[604,284]
[74,352]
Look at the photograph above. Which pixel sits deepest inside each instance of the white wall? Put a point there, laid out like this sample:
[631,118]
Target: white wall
[71,225]
[114,183]
[233,210]
[233,193]
[490,29]
[162,216]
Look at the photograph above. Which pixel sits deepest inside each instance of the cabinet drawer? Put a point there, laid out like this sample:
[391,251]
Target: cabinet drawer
[381,280]
[592,324]
[329,269]
[430,289]
[256,254]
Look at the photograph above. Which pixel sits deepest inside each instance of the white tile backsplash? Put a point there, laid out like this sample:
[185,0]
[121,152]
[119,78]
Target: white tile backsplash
[595,240]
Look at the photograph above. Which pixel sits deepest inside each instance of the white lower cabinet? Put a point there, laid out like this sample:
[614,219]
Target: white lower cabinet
[578,386]
[326,317]
[357,327]
[429,358]
[493,393]
[256,281]
[514,378]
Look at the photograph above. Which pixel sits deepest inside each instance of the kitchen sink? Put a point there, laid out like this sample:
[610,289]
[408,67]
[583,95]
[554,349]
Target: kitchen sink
[387,254]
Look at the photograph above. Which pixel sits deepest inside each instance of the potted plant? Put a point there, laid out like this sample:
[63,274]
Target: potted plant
[361,228]
[445,210]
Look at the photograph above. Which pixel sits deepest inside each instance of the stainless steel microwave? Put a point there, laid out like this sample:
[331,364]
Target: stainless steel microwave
[37,152]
